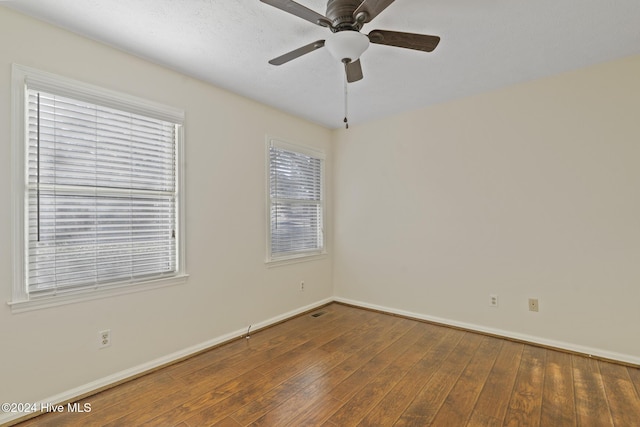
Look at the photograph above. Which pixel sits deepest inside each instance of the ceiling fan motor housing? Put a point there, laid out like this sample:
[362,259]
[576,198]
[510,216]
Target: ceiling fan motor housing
[340,13]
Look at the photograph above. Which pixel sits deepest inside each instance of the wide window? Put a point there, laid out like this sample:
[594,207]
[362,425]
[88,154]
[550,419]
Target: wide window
[296,201]
[100,189]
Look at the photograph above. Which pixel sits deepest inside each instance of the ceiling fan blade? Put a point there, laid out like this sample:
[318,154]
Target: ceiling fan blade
[371,9]
[353,70]
[421,42]
[299,11]
[297,53]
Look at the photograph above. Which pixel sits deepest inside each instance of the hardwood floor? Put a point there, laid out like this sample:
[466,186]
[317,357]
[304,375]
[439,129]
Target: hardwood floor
[357,367]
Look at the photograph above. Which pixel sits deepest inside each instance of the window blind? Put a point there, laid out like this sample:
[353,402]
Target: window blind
[101,195]
[296,202]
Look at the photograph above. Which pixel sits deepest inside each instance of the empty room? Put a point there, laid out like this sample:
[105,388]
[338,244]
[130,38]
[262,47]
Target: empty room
[312,212]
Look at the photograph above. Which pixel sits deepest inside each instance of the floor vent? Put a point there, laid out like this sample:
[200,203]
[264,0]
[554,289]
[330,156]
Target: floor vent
[318,314]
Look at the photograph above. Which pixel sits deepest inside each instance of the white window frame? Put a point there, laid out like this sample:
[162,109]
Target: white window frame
[23,76]
[286,258]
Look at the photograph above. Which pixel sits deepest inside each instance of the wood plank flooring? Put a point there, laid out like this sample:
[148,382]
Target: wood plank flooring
[357,367]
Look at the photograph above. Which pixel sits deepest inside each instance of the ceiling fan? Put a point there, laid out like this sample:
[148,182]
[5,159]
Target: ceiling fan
[345,19]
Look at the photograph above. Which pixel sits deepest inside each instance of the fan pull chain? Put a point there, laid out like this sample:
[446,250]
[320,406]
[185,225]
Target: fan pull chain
[346,103]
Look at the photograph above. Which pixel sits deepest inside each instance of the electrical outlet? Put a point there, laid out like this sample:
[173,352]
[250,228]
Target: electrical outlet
[533,304]
[493,300]
[104,338]
[302,286]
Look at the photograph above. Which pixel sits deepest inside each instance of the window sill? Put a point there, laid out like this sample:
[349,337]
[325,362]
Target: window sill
[294,259]
[37,303]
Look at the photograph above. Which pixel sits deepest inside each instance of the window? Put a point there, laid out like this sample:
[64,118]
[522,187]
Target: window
[99,190]
[296,202]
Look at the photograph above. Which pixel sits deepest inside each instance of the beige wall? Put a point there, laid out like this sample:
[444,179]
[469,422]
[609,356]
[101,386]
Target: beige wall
[47,352]
[529,191]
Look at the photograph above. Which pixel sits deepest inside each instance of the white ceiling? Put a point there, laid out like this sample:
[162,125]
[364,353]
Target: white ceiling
[485,45]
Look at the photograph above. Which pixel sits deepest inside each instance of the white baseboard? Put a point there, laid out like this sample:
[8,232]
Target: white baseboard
[101,383]
[589,351]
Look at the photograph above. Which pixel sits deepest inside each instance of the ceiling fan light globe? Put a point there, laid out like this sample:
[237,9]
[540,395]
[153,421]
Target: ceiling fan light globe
[347,45]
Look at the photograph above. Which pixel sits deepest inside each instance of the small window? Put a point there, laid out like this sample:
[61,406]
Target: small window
[296,202]
[100,189]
